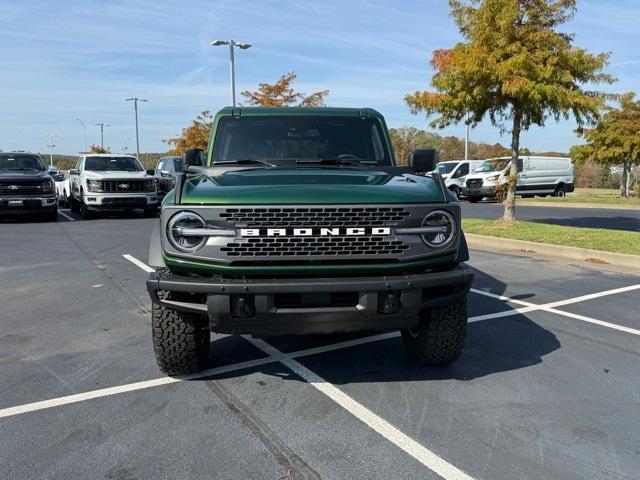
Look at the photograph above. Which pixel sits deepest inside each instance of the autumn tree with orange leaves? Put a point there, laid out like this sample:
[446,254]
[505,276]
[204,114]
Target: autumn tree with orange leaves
[282,94]
[515,67]
[195,135]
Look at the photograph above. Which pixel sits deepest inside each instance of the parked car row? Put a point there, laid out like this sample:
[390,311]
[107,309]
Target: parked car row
[477,179]
[98,183]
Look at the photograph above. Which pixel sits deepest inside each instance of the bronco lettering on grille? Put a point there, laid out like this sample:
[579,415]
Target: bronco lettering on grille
[313,232]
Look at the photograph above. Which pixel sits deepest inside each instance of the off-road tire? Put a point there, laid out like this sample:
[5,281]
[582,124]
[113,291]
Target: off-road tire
[180,340]
[456,191]
[438,338]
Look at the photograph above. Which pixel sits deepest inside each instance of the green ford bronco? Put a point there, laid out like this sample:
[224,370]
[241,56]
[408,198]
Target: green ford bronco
[298,221]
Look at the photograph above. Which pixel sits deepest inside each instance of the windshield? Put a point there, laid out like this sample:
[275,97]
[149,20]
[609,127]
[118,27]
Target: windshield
[112,164]
[283,141]
[20,161]
[445,168]
[494,165]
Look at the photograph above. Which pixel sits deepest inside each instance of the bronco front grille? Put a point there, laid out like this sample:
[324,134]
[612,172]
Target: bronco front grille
[312,216]
[314,246]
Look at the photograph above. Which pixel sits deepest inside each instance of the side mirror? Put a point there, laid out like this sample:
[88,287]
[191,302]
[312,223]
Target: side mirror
[423,160]
[165,173]
[74,171]
[193,157]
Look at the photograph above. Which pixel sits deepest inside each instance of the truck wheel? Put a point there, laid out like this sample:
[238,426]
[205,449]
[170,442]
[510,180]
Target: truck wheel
[74,206]
[474,199]
[85,212]
[438,338]
[150,212]
[180,340]
[560,191]
[456,190]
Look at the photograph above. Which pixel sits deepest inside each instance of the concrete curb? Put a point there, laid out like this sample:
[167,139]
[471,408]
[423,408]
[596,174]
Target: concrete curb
[603,206]
[492,244]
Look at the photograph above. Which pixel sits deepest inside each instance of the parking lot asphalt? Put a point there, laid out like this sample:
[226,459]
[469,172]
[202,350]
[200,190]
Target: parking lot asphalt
[547,386]
[612,219]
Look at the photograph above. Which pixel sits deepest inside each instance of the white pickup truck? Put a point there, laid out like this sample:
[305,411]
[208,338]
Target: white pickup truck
[111,182]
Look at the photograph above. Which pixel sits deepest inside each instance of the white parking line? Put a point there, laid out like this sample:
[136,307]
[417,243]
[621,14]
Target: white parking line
[407,444]
[68,217]
[130,387]
[138,263]
[31,407]
[549,307]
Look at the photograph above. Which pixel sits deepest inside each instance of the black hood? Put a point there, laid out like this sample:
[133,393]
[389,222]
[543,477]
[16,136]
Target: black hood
[23,175]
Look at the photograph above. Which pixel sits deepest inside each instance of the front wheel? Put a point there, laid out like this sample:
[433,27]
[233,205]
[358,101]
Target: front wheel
[438,338]
[180,340]
[560,191]
[85,212]
[456,190]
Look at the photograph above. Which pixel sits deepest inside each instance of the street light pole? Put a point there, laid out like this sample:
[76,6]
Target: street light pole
[124,144]
[135,101]
[50,145]
[102,125]
[84,129]
[232,66]
[466,140]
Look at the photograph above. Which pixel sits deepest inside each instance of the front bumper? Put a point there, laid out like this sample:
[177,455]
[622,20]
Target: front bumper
[483,191]
[309,305]
[113,202]
[10,204]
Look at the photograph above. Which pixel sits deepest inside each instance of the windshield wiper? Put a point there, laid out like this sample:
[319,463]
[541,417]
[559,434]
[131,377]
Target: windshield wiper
[330,161]
[245,161]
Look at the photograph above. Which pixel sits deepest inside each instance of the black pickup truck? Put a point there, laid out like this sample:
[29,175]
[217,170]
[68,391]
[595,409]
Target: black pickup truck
[26,187]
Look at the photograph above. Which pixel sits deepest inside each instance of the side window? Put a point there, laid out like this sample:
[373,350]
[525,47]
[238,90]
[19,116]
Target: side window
[463,170]
[160,165]
[80,164]
[170,165]
[519,166]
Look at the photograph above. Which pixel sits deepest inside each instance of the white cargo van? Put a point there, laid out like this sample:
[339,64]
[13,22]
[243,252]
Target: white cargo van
[455,172]
[540,176]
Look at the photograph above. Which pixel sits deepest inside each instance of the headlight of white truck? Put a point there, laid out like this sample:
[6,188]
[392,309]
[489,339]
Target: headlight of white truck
[94,186]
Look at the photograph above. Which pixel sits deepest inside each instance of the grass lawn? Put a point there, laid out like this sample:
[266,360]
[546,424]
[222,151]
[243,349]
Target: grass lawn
[593,238]
[590,195]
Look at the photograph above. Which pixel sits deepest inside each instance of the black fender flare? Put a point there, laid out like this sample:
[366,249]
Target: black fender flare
[463,249]
[155,248]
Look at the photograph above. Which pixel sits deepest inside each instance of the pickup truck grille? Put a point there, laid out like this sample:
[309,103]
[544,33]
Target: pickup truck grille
[123,186]
[312,217]
[314,246]
[474,183]
[20,188]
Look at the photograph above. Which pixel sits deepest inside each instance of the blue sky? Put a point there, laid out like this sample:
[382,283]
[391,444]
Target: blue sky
[78,59]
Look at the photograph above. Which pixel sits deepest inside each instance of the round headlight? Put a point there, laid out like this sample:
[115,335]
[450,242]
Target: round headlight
[181,239]
[445,234]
